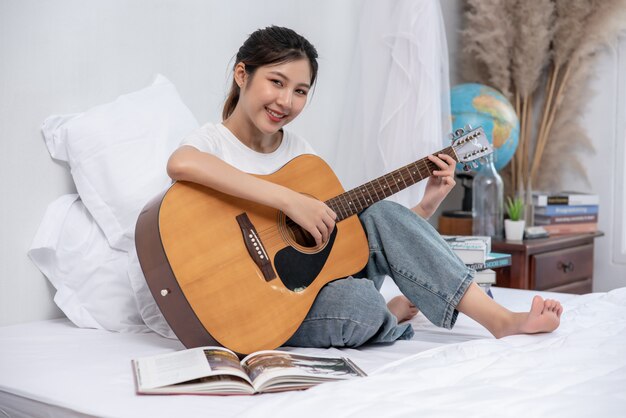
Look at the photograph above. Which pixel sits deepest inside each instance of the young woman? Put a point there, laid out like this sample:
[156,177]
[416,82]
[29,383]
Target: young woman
[274,71]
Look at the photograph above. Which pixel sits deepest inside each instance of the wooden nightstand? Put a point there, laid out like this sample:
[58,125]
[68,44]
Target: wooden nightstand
[561,263]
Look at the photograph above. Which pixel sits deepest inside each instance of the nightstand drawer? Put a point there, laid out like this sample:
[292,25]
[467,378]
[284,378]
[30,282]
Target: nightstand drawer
[557,268]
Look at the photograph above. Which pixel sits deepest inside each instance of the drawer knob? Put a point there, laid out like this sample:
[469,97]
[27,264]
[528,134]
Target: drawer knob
[566,268]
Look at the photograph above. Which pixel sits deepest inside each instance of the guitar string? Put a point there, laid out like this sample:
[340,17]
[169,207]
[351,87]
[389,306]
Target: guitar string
[272,232]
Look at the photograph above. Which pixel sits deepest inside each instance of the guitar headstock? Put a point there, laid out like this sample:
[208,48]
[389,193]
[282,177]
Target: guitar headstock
[470,144]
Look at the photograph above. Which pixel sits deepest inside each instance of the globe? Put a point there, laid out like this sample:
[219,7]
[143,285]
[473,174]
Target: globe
[478,105]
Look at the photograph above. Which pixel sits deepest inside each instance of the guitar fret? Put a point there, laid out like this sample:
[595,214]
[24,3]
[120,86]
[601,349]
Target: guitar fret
[372,188]
[405,179]
[336,207]
[377,188]
[354,201]
[393,186]
[369,201]
[359,195]
[408,169]
[420,168]
[415,167]
[345,212]
[361,199]
[398,181]
[382,190]
[387,187]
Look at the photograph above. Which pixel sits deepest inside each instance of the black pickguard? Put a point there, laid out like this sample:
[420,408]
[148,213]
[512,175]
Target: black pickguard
[298,270]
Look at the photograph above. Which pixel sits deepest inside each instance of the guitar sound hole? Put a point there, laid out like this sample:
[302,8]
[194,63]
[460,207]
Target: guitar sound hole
[300,235]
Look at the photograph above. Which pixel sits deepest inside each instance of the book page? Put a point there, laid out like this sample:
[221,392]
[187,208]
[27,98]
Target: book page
[224,361]
[188,367]
[171,368]
[268,367]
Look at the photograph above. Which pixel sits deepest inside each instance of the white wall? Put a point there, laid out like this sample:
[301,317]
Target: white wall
[605,121]
[65,56]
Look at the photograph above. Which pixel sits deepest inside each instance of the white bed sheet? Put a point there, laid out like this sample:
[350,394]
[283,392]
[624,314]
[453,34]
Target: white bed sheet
[51,368]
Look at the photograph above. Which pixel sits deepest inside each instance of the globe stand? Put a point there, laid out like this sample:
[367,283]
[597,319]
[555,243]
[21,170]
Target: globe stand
[459,222]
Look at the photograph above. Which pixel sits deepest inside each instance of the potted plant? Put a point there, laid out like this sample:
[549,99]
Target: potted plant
[514,226]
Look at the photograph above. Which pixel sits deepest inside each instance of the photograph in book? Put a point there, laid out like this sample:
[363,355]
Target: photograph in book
[218,371]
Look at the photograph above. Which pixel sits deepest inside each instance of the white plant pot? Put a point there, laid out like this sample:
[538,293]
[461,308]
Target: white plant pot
[514,230]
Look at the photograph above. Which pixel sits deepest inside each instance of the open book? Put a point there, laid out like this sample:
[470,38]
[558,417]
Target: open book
[218,371]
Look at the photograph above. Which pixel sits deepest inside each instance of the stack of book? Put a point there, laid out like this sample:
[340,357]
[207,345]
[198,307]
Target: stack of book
[566,212]
[475,252]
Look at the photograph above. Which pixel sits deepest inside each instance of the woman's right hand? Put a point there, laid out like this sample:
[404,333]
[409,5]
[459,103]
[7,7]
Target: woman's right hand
[311,214]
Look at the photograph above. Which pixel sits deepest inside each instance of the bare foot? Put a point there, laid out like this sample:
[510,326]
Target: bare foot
[544,316]
[402,308]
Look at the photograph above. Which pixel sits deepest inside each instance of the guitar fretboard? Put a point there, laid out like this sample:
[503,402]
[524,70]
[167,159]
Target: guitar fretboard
[355,200]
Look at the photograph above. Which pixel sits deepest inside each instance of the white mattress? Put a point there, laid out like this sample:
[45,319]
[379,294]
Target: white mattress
[52,368]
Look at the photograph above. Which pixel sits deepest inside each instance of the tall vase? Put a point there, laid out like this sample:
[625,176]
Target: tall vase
[488,202]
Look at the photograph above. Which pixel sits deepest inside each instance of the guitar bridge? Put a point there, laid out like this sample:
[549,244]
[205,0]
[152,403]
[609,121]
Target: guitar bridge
[255,247]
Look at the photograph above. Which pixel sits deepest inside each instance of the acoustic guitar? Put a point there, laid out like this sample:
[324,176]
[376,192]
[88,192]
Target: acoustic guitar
[231,272]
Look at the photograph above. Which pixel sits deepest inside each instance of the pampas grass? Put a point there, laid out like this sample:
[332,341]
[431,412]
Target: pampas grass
[487,41]
[570,16]
[534,22]
[602,21]
[546,48]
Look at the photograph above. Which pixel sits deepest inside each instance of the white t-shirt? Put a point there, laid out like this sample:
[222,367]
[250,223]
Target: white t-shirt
[221,142]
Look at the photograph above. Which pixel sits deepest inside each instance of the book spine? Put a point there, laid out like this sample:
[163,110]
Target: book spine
[498,262]
[491,264]
[560,210]
[570,200]
[480,246]
[486,276]
[468,242]
[573,219]
[571,228]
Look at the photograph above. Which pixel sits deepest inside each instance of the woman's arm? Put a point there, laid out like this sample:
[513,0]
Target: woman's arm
[439,185]
[189,164]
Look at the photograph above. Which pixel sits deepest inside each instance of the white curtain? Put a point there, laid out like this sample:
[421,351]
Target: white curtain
[398,106]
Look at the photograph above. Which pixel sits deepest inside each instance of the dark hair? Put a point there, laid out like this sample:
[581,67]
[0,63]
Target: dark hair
[272,45]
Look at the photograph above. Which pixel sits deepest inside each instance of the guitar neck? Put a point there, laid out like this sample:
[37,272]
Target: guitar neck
[361,197]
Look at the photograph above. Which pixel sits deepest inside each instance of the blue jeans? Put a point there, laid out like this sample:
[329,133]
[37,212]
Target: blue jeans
[350,312]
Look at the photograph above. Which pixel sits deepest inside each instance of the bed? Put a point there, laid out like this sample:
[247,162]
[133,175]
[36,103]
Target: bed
[80,365]
[52,368]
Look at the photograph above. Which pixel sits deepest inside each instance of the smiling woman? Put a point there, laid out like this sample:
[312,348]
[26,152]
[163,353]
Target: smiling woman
[273,72]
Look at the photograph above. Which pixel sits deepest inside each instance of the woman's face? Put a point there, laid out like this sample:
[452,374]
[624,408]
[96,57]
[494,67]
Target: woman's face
[275,94]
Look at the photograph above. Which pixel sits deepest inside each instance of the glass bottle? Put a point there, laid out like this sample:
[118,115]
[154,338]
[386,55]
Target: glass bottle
[488,201]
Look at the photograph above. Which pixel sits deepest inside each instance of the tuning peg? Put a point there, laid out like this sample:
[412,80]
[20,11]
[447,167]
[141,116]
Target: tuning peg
[475,165]
[466,167]
[468,127]
[451,137]
[459,132]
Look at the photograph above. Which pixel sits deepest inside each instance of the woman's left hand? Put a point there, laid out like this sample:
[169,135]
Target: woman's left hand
[440,183]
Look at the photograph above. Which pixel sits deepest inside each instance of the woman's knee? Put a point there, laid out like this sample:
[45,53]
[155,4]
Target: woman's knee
[347,313]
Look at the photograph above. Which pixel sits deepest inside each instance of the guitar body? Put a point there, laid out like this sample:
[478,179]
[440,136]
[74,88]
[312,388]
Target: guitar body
[199,252]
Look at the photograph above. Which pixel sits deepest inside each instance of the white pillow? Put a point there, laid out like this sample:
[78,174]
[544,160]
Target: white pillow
[118,152]
[90,277]
[148,309]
